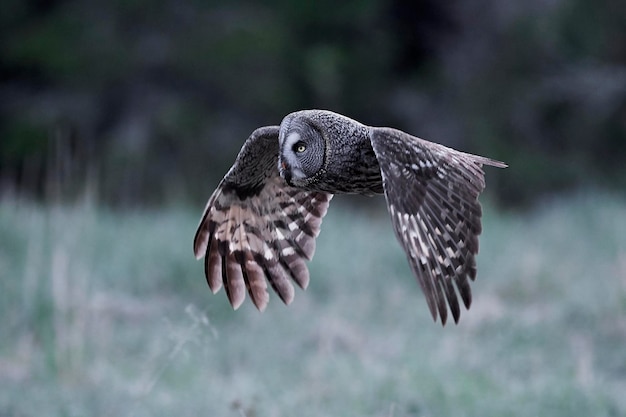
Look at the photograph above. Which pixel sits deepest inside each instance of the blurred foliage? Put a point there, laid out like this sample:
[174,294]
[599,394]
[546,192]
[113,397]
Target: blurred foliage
[149,101]
[104,313]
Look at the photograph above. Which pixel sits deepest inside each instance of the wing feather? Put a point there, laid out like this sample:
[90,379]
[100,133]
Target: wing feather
[432,195]
[256,228]
[234,283]
[213,262]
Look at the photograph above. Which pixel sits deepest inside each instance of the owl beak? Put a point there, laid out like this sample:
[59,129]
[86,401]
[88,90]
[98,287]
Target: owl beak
[285,172]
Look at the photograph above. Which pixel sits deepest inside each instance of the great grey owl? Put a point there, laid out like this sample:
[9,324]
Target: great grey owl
[262,220]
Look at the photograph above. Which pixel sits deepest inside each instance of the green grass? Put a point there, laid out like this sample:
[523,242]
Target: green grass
[107,313]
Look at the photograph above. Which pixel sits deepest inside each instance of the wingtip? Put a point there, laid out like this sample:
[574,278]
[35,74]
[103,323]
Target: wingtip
[490,162]
[497,164]
[198,249]
[287,294]
[433,311]
[236,293]
[236,303]
[202,237]
[260,302]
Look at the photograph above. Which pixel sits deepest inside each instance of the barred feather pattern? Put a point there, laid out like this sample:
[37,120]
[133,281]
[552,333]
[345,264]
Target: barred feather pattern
[268,235]
[437,217]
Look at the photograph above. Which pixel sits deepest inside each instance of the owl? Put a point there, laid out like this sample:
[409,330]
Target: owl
[260,224]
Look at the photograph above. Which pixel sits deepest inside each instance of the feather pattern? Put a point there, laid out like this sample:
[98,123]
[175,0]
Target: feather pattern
[256,227]
[437,218]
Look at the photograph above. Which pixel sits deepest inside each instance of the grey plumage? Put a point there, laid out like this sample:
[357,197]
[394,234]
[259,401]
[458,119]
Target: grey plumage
[262,220]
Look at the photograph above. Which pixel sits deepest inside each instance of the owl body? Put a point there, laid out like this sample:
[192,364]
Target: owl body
[260,224]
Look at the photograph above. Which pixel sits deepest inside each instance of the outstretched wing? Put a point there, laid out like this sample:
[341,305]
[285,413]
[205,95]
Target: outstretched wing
[255,226]
[432,195]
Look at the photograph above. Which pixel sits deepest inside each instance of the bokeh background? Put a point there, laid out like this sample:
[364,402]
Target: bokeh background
[150,100]
[118,118]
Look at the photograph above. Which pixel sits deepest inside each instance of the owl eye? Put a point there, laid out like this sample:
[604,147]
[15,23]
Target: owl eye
[299,147]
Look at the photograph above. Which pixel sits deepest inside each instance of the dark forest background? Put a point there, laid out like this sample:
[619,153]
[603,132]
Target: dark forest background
[148,102]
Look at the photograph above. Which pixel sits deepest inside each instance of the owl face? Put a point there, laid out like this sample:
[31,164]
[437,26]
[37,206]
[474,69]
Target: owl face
[302,150]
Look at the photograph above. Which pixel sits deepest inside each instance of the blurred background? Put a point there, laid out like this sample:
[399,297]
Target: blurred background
[149,101]
[119,117]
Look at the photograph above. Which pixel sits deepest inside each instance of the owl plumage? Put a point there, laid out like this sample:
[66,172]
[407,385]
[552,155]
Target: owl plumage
[262,220]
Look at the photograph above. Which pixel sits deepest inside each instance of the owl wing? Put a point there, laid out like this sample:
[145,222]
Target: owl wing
[255,226]
[432,196]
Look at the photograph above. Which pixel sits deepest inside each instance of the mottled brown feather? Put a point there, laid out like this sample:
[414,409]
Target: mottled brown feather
[256,227]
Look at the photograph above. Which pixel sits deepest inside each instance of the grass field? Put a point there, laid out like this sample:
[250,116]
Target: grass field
[106,313]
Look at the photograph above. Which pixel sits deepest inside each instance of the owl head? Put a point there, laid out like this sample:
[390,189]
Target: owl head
[321,150]
[303,144]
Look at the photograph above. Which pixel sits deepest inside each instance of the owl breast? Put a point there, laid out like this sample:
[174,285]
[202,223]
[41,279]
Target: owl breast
[324,151]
